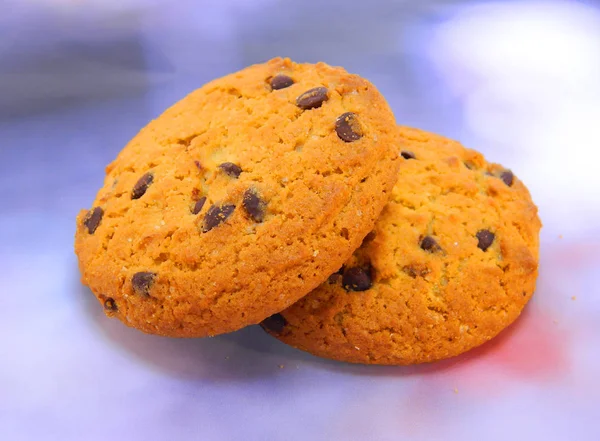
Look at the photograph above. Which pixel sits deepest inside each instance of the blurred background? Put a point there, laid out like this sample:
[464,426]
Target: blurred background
[517,80]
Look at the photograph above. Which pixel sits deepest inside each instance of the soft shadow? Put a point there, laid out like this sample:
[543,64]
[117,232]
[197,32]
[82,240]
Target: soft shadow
[251,352]
[444,366]
[242,355]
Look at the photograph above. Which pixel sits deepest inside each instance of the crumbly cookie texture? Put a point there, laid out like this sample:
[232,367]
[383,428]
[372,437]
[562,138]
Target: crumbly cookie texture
[239,199]
[451,262]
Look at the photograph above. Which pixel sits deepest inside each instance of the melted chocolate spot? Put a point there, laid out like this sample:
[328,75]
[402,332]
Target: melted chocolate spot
[216,215]
[93,218]
[313,98]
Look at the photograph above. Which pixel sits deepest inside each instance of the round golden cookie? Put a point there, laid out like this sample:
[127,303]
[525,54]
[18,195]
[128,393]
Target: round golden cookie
[239,199]
[451,262]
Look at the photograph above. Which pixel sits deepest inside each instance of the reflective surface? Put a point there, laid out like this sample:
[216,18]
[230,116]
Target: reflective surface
[516,80]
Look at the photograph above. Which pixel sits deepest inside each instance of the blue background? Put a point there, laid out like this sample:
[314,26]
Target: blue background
[518,80]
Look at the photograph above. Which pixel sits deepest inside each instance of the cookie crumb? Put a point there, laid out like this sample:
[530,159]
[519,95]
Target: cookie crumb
[315,253]
[555,321]
[560,236]
[455,390]
[281,366]
[573,297]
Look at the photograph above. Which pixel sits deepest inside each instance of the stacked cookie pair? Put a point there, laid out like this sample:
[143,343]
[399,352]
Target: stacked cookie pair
[285,194]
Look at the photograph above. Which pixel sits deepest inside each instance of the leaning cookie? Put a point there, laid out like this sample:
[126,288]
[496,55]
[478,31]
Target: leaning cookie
[239,199]
[451,262]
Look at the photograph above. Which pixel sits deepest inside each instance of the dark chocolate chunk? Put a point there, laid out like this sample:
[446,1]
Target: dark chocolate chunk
[93,218]
[142,282]
[334,278]
[356,279]
[312,99]
[276,323]
[216,215]
[254,205]
[110,305]
[281,82]
[198,205]
[347,127]
[429,244]
[231,169]
[485,238]
[507,177]
[141,186]
[408,155]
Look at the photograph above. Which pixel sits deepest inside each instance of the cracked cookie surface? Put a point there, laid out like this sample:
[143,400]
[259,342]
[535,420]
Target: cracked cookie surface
[239,199]
[450,263]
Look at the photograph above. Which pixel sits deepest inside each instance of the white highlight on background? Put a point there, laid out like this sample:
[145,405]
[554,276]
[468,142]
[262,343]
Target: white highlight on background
[528,77]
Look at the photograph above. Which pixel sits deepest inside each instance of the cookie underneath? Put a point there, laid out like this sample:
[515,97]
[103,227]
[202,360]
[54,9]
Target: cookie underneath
[239,199]
[451,262]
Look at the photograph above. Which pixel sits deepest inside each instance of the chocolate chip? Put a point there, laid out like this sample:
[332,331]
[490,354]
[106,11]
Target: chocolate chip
[216,215]
[486,238]
[92,219]
[408,155]
[110,305]
[231,169]
[356,279]
[142,282]
[254,205]
[276,323]
[507,177]
[281,82]
[334,278]
[312,99]
[347,127]
[198,205]
[429,244]
[141,186]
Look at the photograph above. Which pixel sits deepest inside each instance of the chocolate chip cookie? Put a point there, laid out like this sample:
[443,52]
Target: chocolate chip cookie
[451,262]
[239,199]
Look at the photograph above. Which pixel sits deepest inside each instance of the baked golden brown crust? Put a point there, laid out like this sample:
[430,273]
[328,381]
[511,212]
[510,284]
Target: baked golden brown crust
[451,262]
[239,199]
